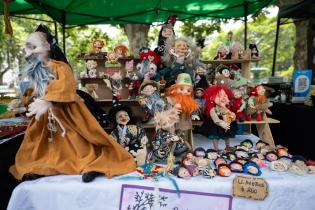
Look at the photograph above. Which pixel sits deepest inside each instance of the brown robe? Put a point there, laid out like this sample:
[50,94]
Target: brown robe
[86,146]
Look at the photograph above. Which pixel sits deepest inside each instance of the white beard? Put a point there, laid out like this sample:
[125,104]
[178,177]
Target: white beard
[38,73]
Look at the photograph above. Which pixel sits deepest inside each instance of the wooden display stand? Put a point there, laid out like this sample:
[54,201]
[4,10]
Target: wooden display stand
[263,128]
[105,96]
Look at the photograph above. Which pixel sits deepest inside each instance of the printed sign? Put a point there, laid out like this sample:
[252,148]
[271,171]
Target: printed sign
[301,84]
[135,197]
[250,187]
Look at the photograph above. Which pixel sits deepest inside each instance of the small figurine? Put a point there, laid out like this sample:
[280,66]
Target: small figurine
[121,51]
[220,123]
[236,167]
[132,137]
[222,53]
[201,101]
[279,165]
[222,76]
[166,32]
[257,103]
[149,62]
[252,168]
[134,85]
[91,66]
[189,163]
[271,156]
[253,48]
[224,170]
[116,84]
[247,143]
[182,172]
[238,105]
[212,154]
[199,78]
[177,60]
[166,143]
[97,46]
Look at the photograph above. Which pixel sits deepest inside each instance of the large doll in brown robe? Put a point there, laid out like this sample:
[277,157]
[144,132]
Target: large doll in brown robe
[63,137]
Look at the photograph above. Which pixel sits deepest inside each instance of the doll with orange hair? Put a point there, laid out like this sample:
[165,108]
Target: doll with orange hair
[220,122]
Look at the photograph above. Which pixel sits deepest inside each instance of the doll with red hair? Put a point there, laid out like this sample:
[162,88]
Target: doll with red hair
[257,103]
[220,122]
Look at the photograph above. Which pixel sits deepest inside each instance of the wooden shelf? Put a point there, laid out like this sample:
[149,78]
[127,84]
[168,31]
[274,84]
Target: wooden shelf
[268,121]
[230,61]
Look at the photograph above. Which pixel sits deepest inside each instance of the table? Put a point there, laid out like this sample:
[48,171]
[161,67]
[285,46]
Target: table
[286,192]
[296,130]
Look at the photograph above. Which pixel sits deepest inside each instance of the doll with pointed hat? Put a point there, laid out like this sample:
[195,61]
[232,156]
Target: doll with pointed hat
[130,136]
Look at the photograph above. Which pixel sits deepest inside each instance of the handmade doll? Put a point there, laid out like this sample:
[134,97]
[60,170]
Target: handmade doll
[247,143]
[298,165]
[116,84]
[166,32]
[279,165]
[212,154]
[203,164]
[91,67]
[238,52]
[189,163]
[57,139]
[224,170]
[134,85]
[121,51]
[251,168]
[166,143]
[257,103]
[220,123]
[222,53]
[219,160]
[201,101]
[177,60]
[199,76]
[222,76]
[240,153]
[182,172]
[238,105]
[181,95]
[149,63]
[261,163]
[131,137]
[253,49]
[271,156]
[236,167]
[150,99]
[97,46]
[260,144]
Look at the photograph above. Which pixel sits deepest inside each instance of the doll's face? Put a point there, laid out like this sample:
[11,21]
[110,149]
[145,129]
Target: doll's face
[98,45]
[241,154]
[148,90]
[199,93]
[122,118]
[189,155]
[237,94]
[261,90]
[212,155]
[271,157]
[236,167]
[252,169]
[224,171]
[260,145]
[152,70]
[219,161]
[167,32]
[278,166]
[255,160]
[221,99]
[181,48]
[91,64]
[183,173]
[226,73]
[232,157]
[200,70]
[282,152]
[184,90]
[37,45]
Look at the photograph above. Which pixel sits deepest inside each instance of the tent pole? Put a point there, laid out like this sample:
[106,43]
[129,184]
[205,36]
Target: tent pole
[56,29]
[63,25]
[245,16]
[275,49]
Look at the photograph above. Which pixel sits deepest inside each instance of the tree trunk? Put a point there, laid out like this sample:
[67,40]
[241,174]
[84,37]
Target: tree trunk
[137,36]
[300,54]
[1,76]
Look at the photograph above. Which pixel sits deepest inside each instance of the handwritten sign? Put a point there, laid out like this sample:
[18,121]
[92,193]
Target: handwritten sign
[135,197]
[250,187]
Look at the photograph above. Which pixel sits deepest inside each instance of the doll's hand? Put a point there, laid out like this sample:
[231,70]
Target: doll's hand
[38,108]
[195,117]
[224,125]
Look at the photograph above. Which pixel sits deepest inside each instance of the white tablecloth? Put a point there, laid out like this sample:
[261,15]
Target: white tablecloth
[64,192]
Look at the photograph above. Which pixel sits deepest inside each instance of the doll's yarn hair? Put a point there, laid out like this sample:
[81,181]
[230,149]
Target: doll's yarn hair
[200,152]
[210,94]
[166,118]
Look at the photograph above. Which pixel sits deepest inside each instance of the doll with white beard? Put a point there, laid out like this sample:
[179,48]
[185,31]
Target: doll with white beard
[57,140]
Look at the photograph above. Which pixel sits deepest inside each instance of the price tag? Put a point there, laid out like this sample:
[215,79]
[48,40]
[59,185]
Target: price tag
[250,187]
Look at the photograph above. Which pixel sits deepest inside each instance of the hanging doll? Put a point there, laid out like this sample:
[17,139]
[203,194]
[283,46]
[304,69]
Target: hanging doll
[166,32]
[57,139]
[220,123]
[253,49]
[131,137]
[257,103]
[166,143]
[150,99]
[223,53]
[238,105]
[177,60]
[181,95]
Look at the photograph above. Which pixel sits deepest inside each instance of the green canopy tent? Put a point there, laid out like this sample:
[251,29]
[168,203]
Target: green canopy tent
[83,12]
